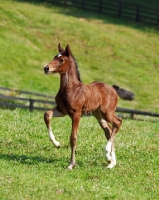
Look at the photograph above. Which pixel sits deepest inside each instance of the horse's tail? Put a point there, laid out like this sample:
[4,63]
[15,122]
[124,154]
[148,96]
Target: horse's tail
[124,94]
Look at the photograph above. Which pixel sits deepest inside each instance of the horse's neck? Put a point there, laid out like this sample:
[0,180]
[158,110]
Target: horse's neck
[64,80]
[69,78]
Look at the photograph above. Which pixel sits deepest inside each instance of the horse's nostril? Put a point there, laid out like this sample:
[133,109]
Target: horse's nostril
[46,68]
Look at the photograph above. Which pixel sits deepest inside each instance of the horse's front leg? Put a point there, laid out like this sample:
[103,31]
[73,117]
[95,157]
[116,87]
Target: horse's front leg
[47,118]
[73,138]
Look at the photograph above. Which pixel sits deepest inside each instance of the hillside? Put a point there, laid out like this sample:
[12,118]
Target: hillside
[106,49]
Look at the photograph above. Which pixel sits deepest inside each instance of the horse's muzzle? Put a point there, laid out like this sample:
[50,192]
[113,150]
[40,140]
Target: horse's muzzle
[46,69]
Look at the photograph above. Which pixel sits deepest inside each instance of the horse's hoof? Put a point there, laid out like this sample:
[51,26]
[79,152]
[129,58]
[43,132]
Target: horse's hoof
[57,144]
[110,166]
[71,166]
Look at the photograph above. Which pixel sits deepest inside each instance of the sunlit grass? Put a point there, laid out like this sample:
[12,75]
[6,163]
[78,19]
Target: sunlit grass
[32,168]
[106,49]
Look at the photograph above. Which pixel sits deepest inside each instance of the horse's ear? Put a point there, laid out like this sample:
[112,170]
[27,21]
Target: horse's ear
[60,48]
[68,50]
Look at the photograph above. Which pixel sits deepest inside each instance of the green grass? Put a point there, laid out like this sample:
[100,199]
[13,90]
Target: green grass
[32,168]
[110,50]
[106,49]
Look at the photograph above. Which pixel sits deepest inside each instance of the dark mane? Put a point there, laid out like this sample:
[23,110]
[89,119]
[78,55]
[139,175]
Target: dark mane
[78,73]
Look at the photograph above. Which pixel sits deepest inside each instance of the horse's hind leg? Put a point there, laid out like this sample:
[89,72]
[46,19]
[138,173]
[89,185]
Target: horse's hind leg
[112,155]
[106,127]
[108,131]
[116,123]
[47,118]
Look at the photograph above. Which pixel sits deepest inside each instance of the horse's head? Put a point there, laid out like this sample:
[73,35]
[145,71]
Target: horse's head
[59,62]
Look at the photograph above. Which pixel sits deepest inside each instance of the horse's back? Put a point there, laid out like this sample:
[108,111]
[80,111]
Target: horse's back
[98,94]
[103,89]
[86,98]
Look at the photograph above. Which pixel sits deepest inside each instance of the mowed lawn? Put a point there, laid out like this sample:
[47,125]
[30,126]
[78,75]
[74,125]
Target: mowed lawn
[110,50]
[32,168]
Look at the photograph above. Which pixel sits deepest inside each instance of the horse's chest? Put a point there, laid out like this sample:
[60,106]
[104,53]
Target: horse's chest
[69,103]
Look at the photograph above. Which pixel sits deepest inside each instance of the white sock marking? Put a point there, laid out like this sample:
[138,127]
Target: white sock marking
[108,157]
[108,150]
[113,158]
[52,138]
[108,146]
[113,161]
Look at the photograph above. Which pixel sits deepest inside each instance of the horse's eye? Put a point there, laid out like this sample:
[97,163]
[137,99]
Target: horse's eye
[61,60]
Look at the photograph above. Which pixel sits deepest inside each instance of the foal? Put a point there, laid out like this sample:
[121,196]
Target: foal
[75,98]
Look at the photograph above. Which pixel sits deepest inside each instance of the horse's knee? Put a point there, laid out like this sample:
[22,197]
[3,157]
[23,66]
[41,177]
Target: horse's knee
[119,123]
[106,127]
[47,116]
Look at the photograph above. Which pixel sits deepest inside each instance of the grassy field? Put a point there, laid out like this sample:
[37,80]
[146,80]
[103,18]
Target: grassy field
[32,168]
[106,49]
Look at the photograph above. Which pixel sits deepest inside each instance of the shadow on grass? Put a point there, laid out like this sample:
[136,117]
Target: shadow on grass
[110,197]
[90,15]
[25,159]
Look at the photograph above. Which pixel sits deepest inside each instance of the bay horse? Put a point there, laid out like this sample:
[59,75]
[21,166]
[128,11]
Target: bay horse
[75,98]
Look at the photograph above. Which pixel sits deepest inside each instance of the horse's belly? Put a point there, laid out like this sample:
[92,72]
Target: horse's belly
[90,105]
